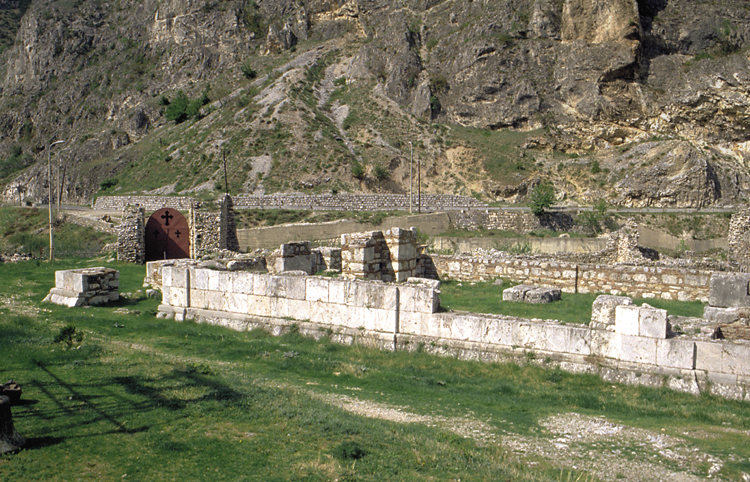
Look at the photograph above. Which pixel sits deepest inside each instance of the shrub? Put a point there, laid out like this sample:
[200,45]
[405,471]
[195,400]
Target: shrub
[248,71]
[358,170]
[541,198]
[380,172]
[349,450]
[595,168]
[182,108]
[68,335]
[108,183]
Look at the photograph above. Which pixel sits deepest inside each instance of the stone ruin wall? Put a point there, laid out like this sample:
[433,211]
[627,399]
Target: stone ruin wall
[131,235]
[634,347]
[519,222]
[210,231]
[636,281]
[377,255]
[738,239]
[329,202]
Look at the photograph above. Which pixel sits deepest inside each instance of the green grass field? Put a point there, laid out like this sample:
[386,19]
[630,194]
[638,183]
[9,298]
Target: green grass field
[142,398]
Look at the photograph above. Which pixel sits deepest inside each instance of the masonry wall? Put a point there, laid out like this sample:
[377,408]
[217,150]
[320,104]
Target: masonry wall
[636,281]
[131,237]
[404,316]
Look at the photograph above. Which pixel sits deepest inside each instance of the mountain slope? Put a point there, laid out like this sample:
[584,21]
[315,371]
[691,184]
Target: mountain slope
[641,103]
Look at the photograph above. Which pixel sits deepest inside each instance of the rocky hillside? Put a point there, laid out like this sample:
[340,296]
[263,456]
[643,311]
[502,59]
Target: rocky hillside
[642,103]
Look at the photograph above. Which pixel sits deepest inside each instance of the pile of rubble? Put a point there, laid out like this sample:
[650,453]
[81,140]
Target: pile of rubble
[13,257]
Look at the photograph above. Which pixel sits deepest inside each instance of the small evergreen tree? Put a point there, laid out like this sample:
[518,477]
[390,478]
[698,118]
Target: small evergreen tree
[541,198]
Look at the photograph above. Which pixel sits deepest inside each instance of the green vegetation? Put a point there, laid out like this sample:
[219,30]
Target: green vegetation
[487,297]
[137,391]
[541,198]
[10,21]
[18,160]
[182,108]
[25,230]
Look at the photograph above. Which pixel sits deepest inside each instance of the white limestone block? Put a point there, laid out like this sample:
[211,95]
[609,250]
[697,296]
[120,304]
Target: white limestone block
[260,284]
[568,339]
[627,319]
[298,309]
[316,289]
[708,355]
[198,298]
[235,302]
[276,286]
[242,282]
[407,298]
[337,289]
[214,280]
[500,331]
[605,344]
[166,276]
[735,358]
[676,353]
[295,287]
[390,295]
[178,297]
[603,310]
[214,300]
[529,335]
[411,323]
[638,349]
[652,322]
[199,278]
[467,328]
[258,305]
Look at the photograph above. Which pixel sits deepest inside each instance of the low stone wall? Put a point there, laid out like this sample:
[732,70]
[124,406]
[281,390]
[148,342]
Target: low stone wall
[358,202]
[324,202]
[534,245]
[148,203]
[87,286]
[637,281]
[405,316]
[519,222]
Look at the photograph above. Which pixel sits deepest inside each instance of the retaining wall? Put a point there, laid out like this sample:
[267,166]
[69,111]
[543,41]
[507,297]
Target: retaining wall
[535,245]
[405,316]
[636,281]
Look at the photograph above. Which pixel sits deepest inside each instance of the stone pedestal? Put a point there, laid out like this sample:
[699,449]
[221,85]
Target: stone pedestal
[88,286]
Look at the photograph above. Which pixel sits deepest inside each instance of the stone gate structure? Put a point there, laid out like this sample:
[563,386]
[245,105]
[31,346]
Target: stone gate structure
[206,231]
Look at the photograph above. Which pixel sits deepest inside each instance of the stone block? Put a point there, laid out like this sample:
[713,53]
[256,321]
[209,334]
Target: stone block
[708,356]
[391,299]
[723,315]
[500,331]
[297,263]
[276,286]
[180,277]
[603,310]
[529,335]
[638,349]
[215,300]
[214,280]
[258,305]
[316,289]
[735,358]
[178,297]
[298,309]
[242,282]
[337,290]
[199,278]
[295,287]
[198,298]
[260,284]
[411,323]
[531,294]
[430,324]
[467,328]
[676,353]
[652,322]
[568,339]
[605,344]
[729,290]
[235,302]
[166,276]
[627,319]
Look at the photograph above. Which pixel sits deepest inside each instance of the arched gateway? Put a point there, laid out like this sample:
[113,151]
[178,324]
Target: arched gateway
[167,235]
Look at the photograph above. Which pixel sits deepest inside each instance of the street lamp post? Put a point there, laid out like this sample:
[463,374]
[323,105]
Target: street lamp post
[49,203]
[411,175]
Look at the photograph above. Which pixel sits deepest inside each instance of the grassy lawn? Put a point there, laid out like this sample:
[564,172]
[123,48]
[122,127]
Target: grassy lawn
[141,398]
[487,297]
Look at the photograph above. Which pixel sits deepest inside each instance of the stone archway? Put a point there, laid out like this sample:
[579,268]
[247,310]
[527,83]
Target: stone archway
[167,235]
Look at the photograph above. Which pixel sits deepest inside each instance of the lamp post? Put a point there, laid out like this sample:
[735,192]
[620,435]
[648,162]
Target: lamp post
[49,203]
[411,175]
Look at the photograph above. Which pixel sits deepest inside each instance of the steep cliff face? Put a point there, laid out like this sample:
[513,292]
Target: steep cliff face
[319,87]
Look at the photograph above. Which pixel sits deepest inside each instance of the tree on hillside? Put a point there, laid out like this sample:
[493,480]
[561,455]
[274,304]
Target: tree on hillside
[541,198]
